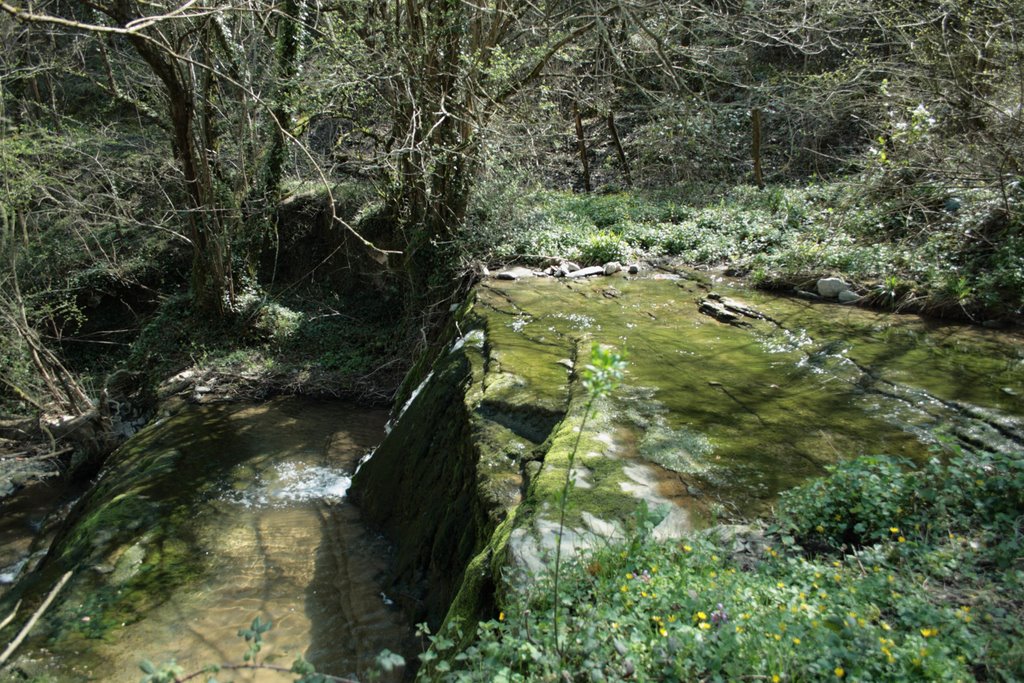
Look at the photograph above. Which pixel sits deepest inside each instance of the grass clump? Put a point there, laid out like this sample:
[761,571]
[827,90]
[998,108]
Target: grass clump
[877,572]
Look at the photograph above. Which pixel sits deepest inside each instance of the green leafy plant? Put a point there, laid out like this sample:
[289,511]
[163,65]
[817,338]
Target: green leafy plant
[919,578]
[302,670]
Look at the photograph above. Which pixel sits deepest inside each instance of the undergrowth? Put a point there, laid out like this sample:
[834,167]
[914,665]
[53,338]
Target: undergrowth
[880,571]
[303,342]
[955,252]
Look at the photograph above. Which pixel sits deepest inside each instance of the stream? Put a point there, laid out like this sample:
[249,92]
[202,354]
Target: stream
[267,533]
[221,513]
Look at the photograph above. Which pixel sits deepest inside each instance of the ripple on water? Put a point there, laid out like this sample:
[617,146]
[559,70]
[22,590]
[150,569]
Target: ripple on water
[288,483]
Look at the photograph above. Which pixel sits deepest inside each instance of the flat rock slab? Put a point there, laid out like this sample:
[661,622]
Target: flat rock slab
[587,272]
[517,273]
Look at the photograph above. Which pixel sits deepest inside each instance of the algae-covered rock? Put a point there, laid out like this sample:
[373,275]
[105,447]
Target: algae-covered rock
[713,420]
[453,464]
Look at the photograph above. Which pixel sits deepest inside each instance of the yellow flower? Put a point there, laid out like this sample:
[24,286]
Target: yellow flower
[739,629]
[894,529]
[775,678]
[623,588]
[501,616]
[839,672]
[671,618]
[820,529]
[780,585]
[687,548]
[796,641]
[929,632]
[704,625]
[901,539]
[662,631]
[629,575]
[702,616]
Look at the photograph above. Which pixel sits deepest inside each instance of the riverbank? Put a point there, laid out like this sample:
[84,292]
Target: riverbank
[957,256]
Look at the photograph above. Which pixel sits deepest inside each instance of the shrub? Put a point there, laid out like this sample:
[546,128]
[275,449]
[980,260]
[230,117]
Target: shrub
[933,591]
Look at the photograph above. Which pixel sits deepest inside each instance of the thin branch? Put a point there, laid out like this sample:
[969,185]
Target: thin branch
[10,617]
[35,617]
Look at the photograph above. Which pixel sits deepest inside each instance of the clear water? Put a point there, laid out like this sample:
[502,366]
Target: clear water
[274,537]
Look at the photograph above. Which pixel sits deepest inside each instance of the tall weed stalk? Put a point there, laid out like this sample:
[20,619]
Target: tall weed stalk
[600,377]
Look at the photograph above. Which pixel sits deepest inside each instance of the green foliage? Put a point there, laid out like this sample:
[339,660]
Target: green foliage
[254,637]
[861,502]
[329,340]
[301,670]
[968,261]
[941,599]
[877,499]
[605,371]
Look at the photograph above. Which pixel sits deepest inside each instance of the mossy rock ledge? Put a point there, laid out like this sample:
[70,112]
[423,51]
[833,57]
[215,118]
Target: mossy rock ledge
[718,414]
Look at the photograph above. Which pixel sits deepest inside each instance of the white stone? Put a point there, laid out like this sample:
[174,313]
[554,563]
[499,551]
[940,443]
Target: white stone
[517,273]
[586,272]
[612,267]
[847,297]
[831,286]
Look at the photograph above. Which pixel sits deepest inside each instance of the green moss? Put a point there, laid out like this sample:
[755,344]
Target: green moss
[475,599]
[712,419]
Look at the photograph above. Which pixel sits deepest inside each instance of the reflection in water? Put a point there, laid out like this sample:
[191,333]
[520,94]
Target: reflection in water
[277,539]
[21,521]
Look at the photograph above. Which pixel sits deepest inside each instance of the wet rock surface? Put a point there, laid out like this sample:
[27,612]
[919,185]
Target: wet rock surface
[731,395]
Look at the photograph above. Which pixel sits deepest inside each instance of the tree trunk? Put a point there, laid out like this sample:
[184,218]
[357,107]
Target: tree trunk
[581,143]
[614,131]
[755,118]
[209,267]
